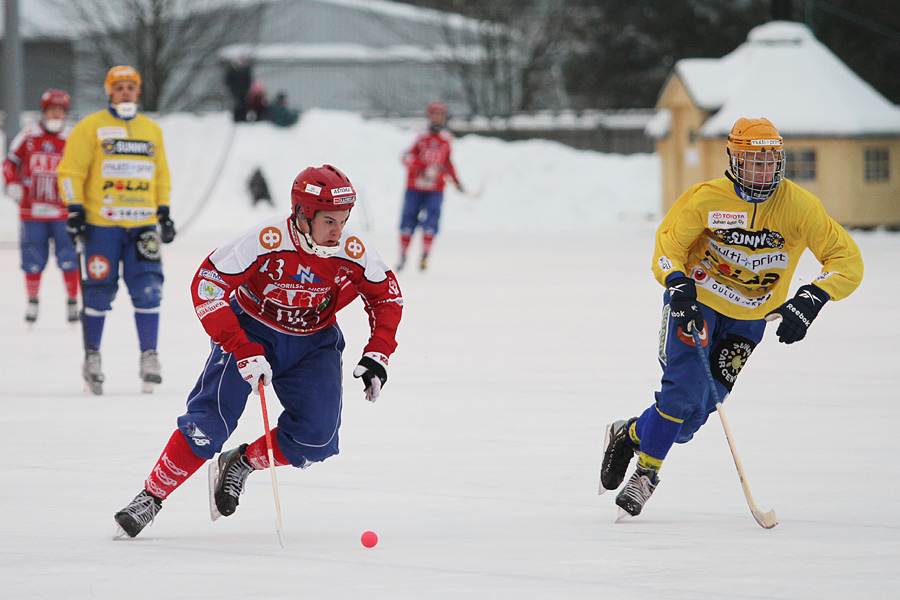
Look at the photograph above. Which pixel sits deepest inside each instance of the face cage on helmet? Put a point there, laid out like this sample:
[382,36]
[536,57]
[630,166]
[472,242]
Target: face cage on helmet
[758,173]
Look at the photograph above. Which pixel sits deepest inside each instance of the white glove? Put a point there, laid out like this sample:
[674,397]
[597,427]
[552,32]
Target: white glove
[253,369]
[372,367]
[15,192]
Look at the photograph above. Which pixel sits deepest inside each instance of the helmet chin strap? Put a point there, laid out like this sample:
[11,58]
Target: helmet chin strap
[307,243]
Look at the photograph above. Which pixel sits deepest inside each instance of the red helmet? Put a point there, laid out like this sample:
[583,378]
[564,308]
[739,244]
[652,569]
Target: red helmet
[54,98]
[321,188]
[436,107]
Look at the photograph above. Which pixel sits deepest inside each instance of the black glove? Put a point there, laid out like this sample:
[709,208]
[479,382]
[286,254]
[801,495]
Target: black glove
[76,226]
[166,226]
[683,305]
[797,314]
[372,369]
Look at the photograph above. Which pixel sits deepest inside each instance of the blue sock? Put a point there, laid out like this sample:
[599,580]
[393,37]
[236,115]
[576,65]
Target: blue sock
[147,329]
[657,433]
[93,331]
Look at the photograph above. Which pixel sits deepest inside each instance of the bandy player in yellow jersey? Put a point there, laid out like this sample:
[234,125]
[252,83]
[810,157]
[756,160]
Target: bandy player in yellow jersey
[726,253]
[115,181]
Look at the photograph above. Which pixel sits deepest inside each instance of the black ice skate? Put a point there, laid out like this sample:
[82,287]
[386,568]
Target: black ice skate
[150,371]
[92,372]
[227,476]
[138,514]
[637,491]
[618,450]
[31,311]
[72,310]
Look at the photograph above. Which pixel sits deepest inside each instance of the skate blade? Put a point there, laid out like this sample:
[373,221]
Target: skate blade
[147,387]
[624,516]
[213,475]
[94,388]
[120,533]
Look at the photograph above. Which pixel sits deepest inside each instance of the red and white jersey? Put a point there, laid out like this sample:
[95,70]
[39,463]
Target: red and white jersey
[293,291]
[32,160]
[428,162]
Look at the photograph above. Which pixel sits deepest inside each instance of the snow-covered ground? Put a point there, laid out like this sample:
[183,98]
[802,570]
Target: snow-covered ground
[534,326]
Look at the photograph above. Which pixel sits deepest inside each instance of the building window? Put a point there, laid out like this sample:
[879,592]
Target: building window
[801,165]
[877,164]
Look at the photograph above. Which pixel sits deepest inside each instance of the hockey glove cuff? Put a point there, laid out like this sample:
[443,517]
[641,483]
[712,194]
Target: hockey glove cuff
[798,313]
[372,367]
[76,225]
[683,306]
[166,226]
[253,369]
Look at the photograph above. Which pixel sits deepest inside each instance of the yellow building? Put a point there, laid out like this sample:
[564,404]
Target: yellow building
[842,138]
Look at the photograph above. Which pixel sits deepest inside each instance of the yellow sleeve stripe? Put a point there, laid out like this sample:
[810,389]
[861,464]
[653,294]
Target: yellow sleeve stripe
[667,417]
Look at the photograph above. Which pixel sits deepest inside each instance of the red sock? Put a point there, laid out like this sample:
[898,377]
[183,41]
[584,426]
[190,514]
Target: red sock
[427,240]
[405,239]
[259,457]
[176,463]
[32,284]
[71,279]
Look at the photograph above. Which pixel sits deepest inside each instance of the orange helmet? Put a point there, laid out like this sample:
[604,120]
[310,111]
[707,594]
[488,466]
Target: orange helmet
[121,73]
[756,157]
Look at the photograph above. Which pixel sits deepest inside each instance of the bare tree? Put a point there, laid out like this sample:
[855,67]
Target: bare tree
[173,43]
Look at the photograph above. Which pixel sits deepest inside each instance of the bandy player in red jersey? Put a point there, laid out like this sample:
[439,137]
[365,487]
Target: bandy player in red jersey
[269,299]
[429,166]
[30,174]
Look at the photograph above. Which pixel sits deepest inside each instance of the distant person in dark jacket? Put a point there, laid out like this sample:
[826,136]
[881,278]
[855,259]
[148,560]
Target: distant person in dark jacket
[259,189]
[280,113]
[237,78]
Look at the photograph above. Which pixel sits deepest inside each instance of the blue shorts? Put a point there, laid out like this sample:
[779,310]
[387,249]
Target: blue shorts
[137,249]
[684,392]
[421,209]
[306,377]
[34,243]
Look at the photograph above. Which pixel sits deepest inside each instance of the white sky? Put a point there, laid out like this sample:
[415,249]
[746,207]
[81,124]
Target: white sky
[534,326]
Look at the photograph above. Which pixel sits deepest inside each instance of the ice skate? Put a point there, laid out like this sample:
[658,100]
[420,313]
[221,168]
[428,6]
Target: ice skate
[150,371]
[227,476]
[636,492]
[138,514]
[31,311]
[401,263]
[92,372]
[423,263]
[618,450]
[72,310]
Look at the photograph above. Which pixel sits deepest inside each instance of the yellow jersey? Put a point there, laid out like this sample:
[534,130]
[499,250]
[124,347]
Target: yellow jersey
[115,169]
[742,255]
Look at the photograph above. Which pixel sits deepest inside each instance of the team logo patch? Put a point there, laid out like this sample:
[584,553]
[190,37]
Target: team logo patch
[270,238]
[97,267]
[196,434]
[147,245]
[209,291]
[354,247]
[728,358]
[689,339]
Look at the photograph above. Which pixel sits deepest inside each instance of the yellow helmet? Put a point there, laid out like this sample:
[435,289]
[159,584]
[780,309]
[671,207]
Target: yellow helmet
[121,73]
[756,157]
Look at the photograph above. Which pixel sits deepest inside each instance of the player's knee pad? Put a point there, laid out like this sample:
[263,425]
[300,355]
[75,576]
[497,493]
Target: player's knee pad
[146,291]
[99,298]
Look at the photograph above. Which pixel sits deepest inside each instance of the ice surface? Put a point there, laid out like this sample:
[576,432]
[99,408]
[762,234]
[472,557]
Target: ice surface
[535,326]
